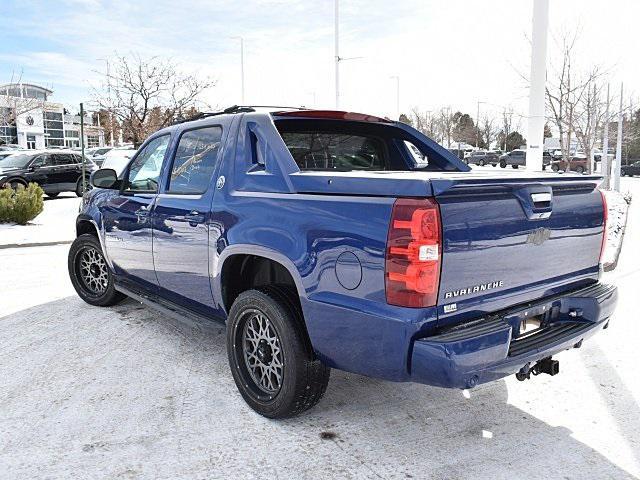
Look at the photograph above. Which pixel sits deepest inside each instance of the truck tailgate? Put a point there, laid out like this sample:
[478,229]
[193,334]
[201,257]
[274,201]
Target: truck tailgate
[512,240]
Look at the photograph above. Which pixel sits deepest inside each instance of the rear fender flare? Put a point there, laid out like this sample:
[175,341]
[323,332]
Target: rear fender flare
[260,251]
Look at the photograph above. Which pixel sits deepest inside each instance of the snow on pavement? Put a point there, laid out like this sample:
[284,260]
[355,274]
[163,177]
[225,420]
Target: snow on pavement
[56,223]
[124,392]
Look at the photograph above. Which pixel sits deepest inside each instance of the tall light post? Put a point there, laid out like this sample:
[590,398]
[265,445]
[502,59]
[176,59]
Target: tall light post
[616,169]
[604,158]
[478,124]
[397,79]
[241,68]
[536,121]
[337,50]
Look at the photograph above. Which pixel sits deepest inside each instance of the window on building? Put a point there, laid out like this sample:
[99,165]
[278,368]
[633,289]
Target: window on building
[93,141]
[71,134]
[195,160]
[8,130]
[53,129]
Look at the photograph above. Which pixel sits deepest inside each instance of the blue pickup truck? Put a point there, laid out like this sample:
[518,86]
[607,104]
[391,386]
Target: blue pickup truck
[329,239]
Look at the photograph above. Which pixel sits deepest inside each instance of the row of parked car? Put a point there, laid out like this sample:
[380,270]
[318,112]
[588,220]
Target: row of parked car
[518,158]
[58,170]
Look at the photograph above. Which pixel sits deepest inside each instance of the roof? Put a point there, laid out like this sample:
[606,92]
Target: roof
[30,85]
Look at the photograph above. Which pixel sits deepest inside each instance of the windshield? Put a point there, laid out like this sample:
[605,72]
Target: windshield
[15,160]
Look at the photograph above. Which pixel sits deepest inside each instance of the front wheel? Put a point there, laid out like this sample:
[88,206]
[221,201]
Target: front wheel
[503,164]
[53,194]
[555,167]
[579,169]
[481,163]
[90,274]
[270,356]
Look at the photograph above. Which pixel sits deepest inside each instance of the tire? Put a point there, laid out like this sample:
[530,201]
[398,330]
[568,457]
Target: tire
[93,283]
[16,183]
[79,187]
[503,164]
[481,163]
[302,380]
[514,166]
[53,194]
[579,169]
[555,167]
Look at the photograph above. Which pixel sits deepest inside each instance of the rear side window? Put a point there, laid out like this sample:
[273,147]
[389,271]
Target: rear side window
[317,150]
[195,160]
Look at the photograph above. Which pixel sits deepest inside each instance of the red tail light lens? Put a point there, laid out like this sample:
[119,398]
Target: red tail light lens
[605,212]
[413,257]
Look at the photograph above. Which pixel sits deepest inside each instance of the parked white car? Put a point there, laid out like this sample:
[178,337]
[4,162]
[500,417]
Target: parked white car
[118,158]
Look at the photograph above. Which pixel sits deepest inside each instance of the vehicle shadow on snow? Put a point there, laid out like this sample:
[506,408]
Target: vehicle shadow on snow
[366,425]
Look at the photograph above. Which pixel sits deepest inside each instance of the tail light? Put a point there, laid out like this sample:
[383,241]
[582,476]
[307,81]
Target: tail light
[605,211]
[413,256]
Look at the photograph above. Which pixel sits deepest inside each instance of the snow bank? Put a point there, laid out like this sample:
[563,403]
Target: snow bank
[618,207]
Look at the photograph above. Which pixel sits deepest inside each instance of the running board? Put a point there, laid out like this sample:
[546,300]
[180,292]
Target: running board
[166,307]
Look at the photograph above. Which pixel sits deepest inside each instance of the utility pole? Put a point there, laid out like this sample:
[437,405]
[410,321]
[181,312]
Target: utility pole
[604,160]
[84,185]
[616,169]
[337,51]
[535,135]
[397,79]
[478,124]
[242,69]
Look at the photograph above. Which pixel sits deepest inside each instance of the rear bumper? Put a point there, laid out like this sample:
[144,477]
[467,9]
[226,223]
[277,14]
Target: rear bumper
[488,349]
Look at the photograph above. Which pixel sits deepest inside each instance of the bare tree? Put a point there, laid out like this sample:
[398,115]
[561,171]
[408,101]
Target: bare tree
[425,122]
[446,122]
[488,130]
[566,92]
[589,120]
[148,94]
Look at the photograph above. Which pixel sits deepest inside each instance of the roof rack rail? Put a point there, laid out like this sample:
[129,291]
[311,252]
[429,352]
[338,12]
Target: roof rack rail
[201,115]
[232,109]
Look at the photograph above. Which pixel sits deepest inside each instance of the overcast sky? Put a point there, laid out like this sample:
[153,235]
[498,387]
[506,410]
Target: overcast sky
[446,53]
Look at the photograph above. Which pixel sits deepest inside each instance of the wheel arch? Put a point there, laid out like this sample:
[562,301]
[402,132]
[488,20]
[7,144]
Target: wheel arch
[246,258]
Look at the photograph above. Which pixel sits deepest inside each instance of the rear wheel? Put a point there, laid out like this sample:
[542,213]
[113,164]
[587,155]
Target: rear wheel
[580,169]
[79,187]
[555,167]
[53,194]
[90,274]
[514,166]
[481,163]
[270,357]
[503,164]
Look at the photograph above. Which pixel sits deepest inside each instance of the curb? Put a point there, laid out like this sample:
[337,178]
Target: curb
[40,244]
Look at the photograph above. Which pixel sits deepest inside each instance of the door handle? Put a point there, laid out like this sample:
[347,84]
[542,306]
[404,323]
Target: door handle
[194,218]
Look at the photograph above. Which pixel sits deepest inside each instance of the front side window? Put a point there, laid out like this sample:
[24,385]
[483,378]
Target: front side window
[195,160]
[335,151]
[145,169]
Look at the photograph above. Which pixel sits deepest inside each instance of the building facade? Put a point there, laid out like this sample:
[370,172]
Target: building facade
[30,119]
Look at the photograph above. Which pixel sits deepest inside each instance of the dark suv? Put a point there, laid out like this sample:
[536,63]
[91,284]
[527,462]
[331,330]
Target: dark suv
[518,158]
[54,170]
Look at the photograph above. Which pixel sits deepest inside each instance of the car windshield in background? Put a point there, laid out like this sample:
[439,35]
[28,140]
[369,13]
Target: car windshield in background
[335,151]
[16,160]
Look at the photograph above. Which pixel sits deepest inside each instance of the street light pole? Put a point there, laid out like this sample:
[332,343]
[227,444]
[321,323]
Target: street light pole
[84,186]
[604,158]
[397,79]
[535,135]
[242,69]
[478,124]
[337,51]
[616,169]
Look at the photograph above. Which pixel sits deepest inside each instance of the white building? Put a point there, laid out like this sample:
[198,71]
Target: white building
[28,118]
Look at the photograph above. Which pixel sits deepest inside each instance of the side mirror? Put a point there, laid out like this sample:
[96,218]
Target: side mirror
[104,178]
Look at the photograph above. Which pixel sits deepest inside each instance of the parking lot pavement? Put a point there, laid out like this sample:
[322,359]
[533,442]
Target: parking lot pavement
[124,392]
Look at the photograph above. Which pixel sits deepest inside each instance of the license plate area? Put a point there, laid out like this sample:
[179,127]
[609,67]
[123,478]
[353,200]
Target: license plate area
[529,326]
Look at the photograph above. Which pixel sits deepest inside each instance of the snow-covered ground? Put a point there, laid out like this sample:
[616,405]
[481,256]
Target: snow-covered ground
[125,392]
[617,208]
[56,223]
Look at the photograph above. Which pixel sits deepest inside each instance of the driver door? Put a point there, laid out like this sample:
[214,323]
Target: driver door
[127,217]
